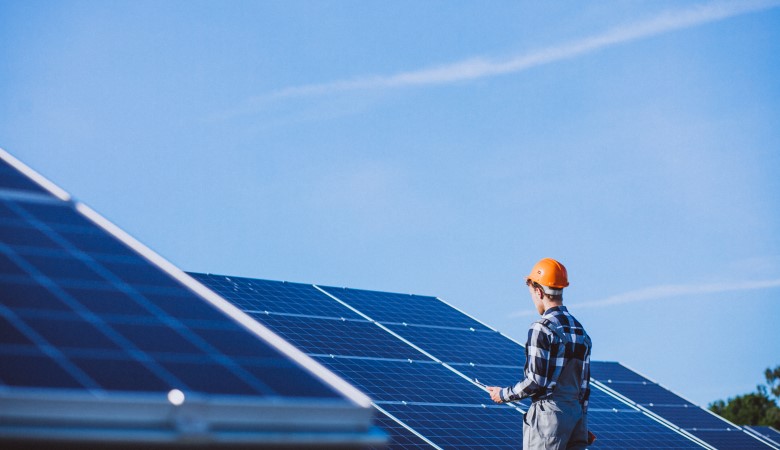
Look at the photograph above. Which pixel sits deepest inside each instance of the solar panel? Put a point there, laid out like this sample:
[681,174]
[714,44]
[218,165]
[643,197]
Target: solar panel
[467,427]
[406,381]
[459,345]
[326,336]
[769,433]
[363,352]
[89,316]
[649,395]
[430,395]
[260,296]
[631,429]
[387,307]
[400,436]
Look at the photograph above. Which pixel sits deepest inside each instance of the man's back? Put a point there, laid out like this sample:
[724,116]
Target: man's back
[570,350]
[557,367]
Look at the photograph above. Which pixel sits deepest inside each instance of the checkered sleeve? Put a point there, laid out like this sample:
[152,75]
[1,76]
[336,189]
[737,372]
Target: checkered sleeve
[544,359]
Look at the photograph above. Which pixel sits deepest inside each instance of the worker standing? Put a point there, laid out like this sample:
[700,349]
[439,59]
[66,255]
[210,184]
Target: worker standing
[557,367]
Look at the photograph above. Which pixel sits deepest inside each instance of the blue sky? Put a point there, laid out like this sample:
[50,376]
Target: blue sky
[436,148]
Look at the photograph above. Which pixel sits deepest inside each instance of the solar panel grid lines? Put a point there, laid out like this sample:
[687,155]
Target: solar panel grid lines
[228,308]
[685,401]
[367,373]
[671,408]
[408,381]
[402,436]
[470,426]
[386,307]
[279,297]
[651,414]
[647,380]
[461,345]
[379,324]
[387,328]
[222,305]
[399,328]
[460,366]
[634,429]
[769,434]
[386,325]
[434,374]
[91,331]
[339,337]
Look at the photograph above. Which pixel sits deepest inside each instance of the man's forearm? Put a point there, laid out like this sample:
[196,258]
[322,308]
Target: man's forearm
[519,391]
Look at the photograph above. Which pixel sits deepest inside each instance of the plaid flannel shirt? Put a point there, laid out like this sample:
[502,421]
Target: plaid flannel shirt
[552,341]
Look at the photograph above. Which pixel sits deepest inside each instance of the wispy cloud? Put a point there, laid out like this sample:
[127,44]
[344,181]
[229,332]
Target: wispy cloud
[665,291]
[479,67]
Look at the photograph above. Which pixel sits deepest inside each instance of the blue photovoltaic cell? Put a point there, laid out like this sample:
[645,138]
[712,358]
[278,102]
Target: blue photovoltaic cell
[708,427]
[690,416]
[605,371]
[501,376]
[387,307]
[633,430]
[463,345]
[466,427]
[729,439]
[646,393]
[491,375]
[259,296]
[328,336]
[79,309]
[405,381]
[11,178]
[400,437]
[768,432]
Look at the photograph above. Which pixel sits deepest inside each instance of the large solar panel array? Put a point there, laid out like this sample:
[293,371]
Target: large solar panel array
[91,330]
[417,357]
[649,395]
[101,340]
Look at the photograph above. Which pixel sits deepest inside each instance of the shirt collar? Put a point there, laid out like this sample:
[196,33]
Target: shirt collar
[555,309]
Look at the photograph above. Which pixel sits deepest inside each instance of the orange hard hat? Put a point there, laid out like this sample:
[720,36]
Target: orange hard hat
[549,272]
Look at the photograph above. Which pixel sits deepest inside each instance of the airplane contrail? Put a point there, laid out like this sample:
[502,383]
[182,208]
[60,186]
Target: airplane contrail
[664,291]
[480,67]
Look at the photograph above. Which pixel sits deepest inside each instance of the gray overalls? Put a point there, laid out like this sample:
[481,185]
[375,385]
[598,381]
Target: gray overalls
[561,421]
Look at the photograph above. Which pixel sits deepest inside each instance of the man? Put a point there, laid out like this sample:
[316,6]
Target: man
[557,367]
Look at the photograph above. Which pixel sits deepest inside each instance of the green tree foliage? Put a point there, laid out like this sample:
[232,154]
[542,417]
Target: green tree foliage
[755,408]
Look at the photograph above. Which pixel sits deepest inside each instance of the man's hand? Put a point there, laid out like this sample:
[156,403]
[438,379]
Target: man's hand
[495,393]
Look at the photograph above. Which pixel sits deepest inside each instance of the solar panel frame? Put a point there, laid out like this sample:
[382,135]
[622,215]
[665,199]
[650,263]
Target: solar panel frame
[36,342]
[26,183]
